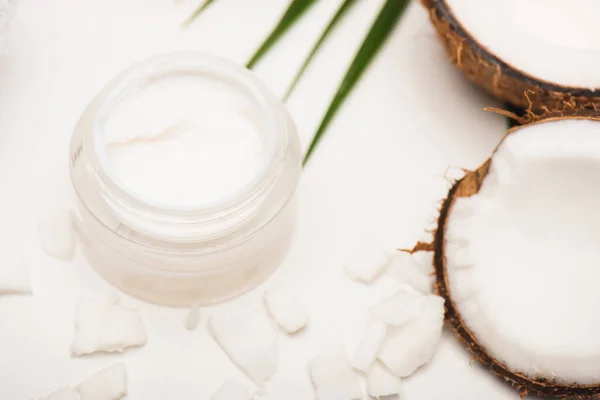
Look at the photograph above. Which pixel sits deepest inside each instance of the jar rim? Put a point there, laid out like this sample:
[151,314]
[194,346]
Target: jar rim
[198,63]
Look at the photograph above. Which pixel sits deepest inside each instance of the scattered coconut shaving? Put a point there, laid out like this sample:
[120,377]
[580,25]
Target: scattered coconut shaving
[65,393]
[108,384]
[369,346]
[285,310]
[413,344]
[57,234]
[367,262]
[232,390]
[14,274]
[406,269]
[192,318]
[381,382]
[251,342]
[399,309]
[106,327]
[333,377]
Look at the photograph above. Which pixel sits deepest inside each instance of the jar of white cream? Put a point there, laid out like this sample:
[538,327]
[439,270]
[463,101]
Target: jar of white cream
[184,170]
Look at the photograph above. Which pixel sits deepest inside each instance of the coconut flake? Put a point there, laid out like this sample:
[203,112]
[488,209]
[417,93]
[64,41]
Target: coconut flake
[193,317]
[14,275]
[381,382]
[405,269]
[368,261]
[65,393]
[232,390]
[401,308]
[106,327]
[333,377]
[108,384]
[285,309]
[412,345]
[369,346]
[250,341]
[57,233]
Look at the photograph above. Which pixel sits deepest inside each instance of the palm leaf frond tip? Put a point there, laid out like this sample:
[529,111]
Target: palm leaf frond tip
[384,24]
[198,11]
[294,11]
[342,10]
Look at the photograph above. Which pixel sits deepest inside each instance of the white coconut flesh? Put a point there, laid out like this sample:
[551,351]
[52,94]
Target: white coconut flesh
[107,384]
[523,254]
[381,382]
[332,376]
[285,310]
[57,233]
[551,40]
[101,327]
[250,340]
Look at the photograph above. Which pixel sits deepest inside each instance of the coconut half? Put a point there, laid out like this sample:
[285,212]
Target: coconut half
[534,53]
[517,258]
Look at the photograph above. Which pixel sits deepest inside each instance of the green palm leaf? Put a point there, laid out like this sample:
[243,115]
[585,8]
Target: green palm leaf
[198,11]
[294,11]
[342,10]
[387,18]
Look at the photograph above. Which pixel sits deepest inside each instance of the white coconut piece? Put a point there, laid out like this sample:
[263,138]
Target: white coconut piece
[531,297]
[369,346]
[108,384]
[251,342]
[399,309]
[424,260]
[413,344]
[106,327]
[368,261]
[14,273]
[64,393]
[57,233]
[192,318]
[531,24]
[333,377]
[232,390]
[462,254]
[285,309]
[381,382]
[406,269]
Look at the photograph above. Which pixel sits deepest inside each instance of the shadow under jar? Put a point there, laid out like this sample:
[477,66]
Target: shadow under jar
[184,170]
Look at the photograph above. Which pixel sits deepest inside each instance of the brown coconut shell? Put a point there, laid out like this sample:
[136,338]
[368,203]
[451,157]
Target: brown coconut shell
[497,77]
[466,187]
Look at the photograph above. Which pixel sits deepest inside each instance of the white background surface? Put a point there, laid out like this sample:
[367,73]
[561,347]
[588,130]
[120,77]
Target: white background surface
[378,172]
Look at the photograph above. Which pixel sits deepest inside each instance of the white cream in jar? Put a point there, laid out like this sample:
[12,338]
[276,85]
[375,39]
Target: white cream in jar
[184,169]
[184,142]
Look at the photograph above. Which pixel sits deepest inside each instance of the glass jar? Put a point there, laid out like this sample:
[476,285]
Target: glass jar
[180,256]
